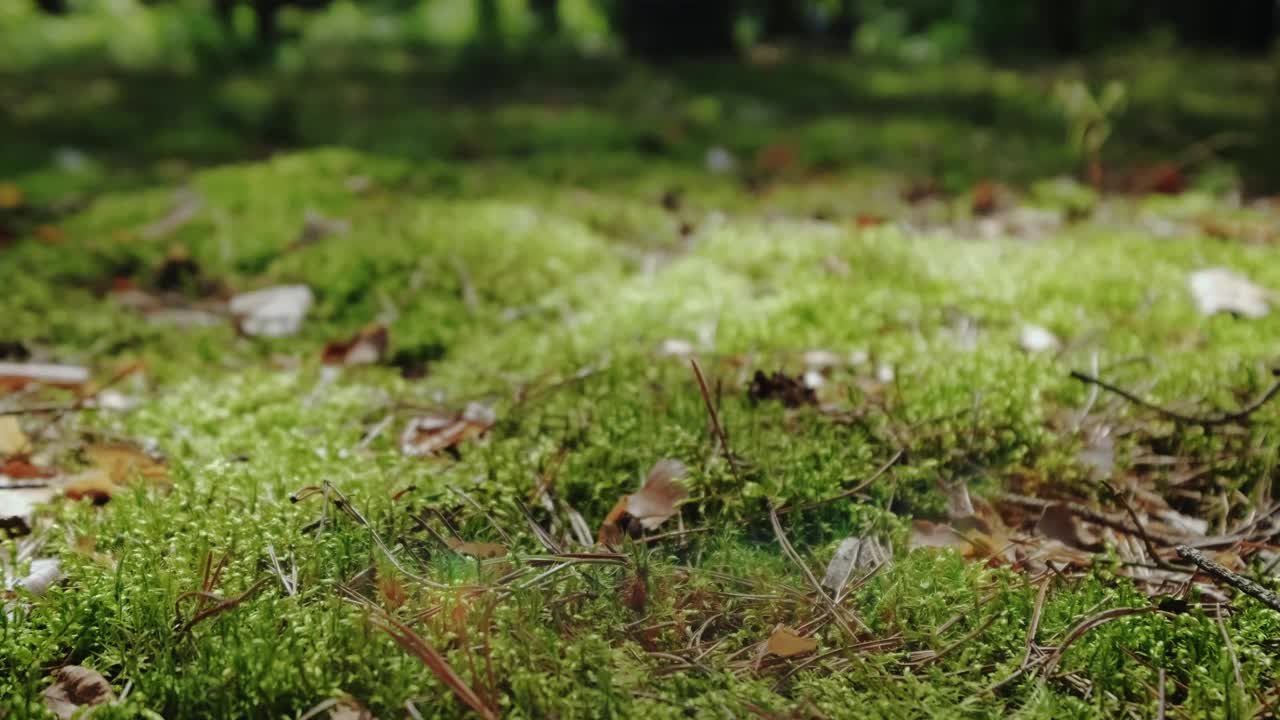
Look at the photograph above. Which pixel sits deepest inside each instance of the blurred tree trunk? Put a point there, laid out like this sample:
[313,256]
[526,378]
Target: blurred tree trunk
[1063,22]
[668,29]
[264,22]
[783,19]
[548,14]
[52,7]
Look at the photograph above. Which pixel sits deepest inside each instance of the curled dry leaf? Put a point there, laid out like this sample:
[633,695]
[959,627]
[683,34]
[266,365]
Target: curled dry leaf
[653,505]
[75,687]
[272,312]
[429,434]
[480,550]
[1221,290]
[785,642]
[861,554]
[367,347]
[12,440]
[19,468]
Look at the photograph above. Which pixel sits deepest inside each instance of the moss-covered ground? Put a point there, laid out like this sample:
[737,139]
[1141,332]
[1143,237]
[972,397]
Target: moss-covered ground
[544,250]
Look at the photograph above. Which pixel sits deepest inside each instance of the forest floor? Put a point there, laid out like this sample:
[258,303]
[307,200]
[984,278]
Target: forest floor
[632,395]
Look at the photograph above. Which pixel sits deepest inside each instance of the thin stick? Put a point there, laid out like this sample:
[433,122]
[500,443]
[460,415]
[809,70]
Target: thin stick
[715,420]
[813,581]
[852,491]
[1089,514]
[1223,419]
[221,607]
[1235,580]
[1034,625]
[1161,702]
[1102,618]
[1142,531]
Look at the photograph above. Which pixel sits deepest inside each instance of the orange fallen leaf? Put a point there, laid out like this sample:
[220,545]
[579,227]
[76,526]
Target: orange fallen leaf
[19,468]
[367,347]
[50,234]
[76,687]
[785,642]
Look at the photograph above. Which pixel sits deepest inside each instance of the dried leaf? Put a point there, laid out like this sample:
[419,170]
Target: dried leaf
[14,376]
[861,554]
[272,312]
[785,642]
[430,434]
[42,576]
[1221,290]
[123,463]
[1057,522]
[654,504]
[367,347]
[94,484]
[656,501]
[348,708]
[481,550]
[791,392]
[19,468]
[929,534]
[984,198]
[75,687]
[12,440]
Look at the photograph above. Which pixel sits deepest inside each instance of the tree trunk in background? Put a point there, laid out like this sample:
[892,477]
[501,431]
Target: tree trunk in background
[548,14]
[264,22]
[783,19]
[1062,20]
[52,7]
[669,29]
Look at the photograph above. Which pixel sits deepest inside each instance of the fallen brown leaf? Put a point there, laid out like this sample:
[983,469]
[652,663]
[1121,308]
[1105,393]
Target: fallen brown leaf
[19,468]
[654,504]
[785,642]
[123,462]
[75,687]
[392,591]
[1057,522]
[984,198]
[430,434]
[790,391]
[348,708]
[367,347]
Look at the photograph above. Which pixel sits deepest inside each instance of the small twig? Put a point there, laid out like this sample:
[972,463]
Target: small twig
[1093,516]
[1102,618]
[813,581]
[715,421]
[1235,580]
[850,492]
[1231,653]
[221,607]
[1161,701]
[1142,530]
[1034,625]
[1223,419]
